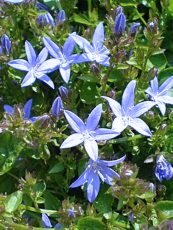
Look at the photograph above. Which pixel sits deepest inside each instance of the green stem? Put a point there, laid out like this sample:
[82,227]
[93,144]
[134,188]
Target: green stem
[59,5]
[89,8]
[125,139]
[140,16]
[37,210]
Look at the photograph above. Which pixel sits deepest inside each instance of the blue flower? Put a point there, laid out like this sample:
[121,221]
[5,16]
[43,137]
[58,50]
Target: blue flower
[26,110]
[71,212]
[47,224]
[87,133]
[6,44]
[45,19]
[36,66]
[163,169]
[160,94]
[64,56]
[57,107]
[95,171]
[96,51]
[120,22]
[127,114]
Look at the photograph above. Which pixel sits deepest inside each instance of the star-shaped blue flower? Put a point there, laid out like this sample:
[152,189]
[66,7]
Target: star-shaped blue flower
[87,133]
[164,169]
[36,66]
[160,94]
[127,114]
[64,56]
[95,171]
[96,51]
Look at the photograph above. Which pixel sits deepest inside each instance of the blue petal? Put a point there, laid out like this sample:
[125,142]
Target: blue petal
[65,73]
[98,36]
[162,107]
[79,58]
[9,109]
[49,66]
[27,109]
[68,46]
[57,107]
[154,85]
[20,64]
[53,49]
[29,79]
[112,163]
[119,124]
[73,140]
[109,174]
[140,126]
[94,118]
[128,97]
[103,134]
[45,221]
[75,122]
[91,148]
[42,56]
[141,108]
[166,86]
[114,105]
[14,1]
[30,52]
[166,99]
[103,59]
[82,42]
[81,180]
[46,79]
[93,186]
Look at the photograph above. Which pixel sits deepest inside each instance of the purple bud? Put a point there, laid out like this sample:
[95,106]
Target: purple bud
[45,221]
[6,44]
[64,92]
[120,24]
[45,20]
[152,26]
[118,10]
[61,17]
[71,212]
[163,169]
[57,107]
[134,28]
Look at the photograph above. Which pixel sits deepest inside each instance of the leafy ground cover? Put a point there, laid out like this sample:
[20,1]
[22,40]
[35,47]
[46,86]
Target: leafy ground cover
[86,111]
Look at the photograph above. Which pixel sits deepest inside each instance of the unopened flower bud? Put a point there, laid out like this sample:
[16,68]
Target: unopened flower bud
[6,44]
[134,28]
[57,107]
[120,23]
[61,17]
[64,92]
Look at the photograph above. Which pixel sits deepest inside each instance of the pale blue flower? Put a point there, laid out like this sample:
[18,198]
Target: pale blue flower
[160,94]
[163,169]
[95,171]
[127,113]
[96,51]
[36,66]
[14,1]
[87,133]
[64,56]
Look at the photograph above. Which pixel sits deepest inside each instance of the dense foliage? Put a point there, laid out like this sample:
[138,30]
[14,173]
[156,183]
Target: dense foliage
[86,114]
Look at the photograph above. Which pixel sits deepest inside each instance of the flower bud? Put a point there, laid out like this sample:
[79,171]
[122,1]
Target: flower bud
[134,28]
[45,20]
[61,17]
[120,23]
[57,107]
[6,44]
[163,169]
[64,92]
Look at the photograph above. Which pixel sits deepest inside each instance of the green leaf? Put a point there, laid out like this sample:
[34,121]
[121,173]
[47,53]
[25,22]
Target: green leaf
[82,19]
[165,209]
[58,167]
[13,201]
[159,61]
[88,93]
[90,223]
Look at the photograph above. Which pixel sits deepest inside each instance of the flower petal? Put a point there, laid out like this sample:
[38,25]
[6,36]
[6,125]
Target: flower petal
[119,124]
[42,56]
[93,186]
[30,52]
[114,162]
[82,42]
[114,105]
[74,121]
[69,46]
[65,73]
[166,99]
[29,79]
[46,79]
[27,109]
[154,85]
[103,134]
[9,109]
[166,86]
[91,148]
[19,64]
[81,180]
[45,221]
[73,140]
[98,36]
[109,174]
[53,49]
[140,126]
[128,97]
[94,118]
[49,66]
[141,108]
[162,107]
